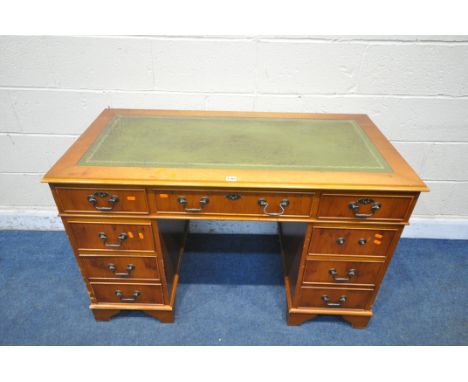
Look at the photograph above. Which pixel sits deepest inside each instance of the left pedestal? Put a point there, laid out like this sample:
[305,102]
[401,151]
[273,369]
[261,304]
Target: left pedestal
[127,260]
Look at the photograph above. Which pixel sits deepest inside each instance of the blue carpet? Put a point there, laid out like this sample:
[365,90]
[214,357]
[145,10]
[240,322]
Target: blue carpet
[231,293]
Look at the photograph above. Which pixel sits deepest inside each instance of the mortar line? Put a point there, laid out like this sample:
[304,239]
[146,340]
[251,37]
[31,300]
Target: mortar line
[251,94]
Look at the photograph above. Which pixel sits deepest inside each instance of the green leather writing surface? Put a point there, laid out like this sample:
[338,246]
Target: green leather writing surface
[244,143]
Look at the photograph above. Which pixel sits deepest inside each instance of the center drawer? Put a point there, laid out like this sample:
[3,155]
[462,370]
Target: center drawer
[273,204]
[120,267]
[112,236]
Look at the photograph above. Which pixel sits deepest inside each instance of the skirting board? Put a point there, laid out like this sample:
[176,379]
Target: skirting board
[420,227]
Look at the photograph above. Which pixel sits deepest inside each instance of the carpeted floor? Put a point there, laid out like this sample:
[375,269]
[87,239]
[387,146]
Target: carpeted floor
[231,293]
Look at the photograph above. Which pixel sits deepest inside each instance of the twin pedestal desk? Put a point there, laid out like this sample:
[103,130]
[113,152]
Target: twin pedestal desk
[340,192]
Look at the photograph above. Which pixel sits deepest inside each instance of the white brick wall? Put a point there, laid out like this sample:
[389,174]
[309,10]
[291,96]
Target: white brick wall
[414,88]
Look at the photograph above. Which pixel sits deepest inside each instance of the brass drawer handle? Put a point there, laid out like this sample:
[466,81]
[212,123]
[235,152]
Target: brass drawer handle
[113,269]
[354,206]
[99,194]
[203,202]
[351,273]
[135,295]
[122,237]
[282,205]
[340,302]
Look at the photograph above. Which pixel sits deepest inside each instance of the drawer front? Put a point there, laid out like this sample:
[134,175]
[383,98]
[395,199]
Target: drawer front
[128,293]
[351,241]
[112,236]
[312,297]
[364,207]
[102,200]
[341,272]
[128,267]
[234,203]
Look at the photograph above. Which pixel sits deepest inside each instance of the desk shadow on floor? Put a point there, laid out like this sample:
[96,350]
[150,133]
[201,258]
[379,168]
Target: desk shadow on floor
[232,259]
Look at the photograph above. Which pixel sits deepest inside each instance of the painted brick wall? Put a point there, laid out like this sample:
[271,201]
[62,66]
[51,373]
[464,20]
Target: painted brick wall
[414,88]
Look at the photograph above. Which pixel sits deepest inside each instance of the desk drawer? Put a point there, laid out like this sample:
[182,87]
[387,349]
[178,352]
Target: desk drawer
[316,297]
[352,241]
[338,271]
[102,200]
[120,267]
[263,204]
[364,207]
[128,293]
[112,236]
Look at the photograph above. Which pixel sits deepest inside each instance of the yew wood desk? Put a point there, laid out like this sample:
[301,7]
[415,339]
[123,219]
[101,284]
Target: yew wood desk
[340,192]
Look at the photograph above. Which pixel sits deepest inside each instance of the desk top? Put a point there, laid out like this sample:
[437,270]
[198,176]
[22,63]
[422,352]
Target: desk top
[229,149]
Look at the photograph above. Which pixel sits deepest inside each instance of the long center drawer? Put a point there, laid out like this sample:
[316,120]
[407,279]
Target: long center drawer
[265,204]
